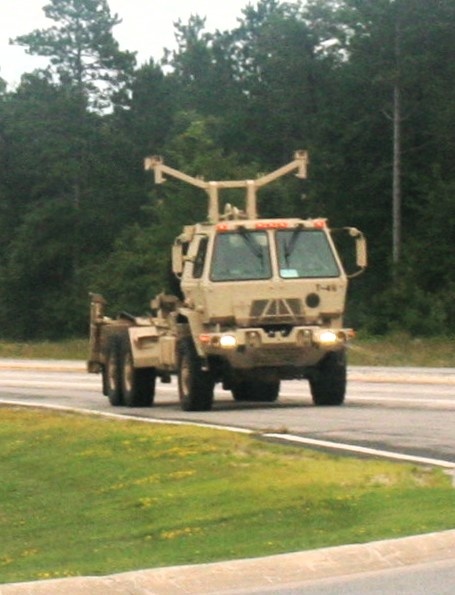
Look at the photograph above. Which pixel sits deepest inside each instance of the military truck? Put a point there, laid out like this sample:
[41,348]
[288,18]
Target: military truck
[255,301]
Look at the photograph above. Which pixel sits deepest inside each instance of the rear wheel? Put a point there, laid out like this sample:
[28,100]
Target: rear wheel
[256,390]
[240,391]
[328,384]
[111,374]
[138,384]
[104,381]
[195,384]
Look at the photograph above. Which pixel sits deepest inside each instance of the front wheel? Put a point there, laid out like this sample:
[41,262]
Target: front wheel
[328,383]
[138,384]
[111,374]
[195,384]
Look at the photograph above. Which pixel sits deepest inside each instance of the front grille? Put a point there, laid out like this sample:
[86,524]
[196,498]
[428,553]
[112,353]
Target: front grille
[276,311]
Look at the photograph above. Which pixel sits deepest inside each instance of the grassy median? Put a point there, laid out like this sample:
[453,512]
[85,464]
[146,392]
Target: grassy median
[87,495]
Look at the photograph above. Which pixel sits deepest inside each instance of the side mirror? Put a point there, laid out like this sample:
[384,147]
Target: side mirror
[360,250]
[343,237]
[177,259]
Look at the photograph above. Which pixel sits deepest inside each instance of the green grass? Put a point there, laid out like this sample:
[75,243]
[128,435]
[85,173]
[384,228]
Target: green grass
[402,349]
[86,495]
[394,350]
[70,349]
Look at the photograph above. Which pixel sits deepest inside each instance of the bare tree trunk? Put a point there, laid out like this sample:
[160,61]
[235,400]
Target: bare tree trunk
[397,121]
[396,182]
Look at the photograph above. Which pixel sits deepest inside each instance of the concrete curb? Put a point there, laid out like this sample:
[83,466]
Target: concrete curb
[38,365]
[282,571]
[398,374]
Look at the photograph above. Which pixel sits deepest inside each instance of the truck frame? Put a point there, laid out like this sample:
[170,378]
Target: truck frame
[255,301]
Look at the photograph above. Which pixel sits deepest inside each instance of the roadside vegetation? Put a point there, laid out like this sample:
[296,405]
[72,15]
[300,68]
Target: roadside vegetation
[399,349]
[83,495]
[78,213]
[76,349]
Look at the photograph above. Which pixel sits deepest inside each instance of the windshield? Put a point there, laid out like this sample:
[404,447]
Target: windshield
[241,255]
[305,253]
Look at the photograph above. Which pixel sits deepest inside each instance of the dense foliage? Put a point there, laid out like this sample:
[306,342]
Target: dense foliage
[341,78]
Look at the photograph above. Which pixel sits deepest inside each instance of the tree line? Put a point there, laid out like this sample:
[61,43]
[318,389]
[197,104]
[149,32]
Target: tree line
[366,86]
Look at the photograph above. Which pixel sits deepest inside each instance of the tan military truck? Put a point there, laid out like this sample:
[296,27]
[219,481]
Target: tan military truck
[256,301]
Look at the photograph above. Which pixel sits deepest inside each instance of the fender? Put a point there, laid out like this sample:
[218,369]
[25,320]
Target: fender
[195,328]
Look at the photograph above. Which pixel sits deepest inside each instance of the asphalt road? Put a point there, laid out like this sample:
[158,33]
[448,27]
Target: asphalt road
[402,410]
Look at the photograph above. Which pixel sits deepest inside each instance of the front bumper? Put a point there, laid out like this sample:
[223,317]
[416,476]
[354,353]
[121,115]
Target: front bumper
[256,347]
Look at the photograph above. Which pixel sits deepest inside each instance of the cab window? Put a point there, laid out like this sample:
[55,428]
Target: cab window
[241,255]
[305,253]
[199,261]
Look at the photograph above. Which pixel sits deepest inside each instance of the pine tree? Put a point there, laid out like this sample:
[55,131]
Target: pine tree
[82,50]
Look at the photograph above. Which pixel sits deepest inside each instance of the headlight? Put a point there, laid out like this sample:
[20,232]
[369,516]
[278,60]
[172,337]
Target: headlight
[327,338]
[228,341]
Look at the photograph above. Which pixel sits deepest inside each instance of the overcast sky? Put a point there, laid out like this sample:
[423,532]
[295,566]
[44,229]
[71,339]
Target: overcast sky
[147,26]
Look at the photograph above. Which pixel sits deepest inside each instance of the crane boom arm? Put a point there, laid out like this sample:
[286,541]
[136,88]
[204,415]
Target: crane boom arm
[300,163]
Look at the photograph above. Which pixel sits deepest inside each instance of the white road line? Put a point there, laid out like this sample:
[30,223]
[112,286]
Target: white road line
[239,430]
[47,384]
[361,450]
[408,400]
[287,397]
[375,378]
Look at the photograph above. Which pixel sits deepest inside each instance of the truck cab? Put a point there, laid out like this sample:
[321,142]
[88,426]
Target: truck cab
[256,301]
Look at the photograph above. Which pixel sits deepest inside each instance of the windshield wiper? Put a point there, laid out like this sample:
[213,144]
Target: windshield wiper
[255,249]
[289,246]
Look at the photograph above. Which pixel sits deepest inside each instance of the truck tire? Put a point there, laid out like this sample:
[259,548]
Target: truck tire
[328,384]
[195,385]
[138,384]
[256,391]
[111,373]
[104,381]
